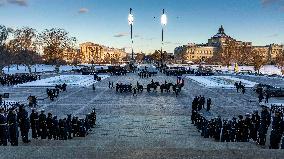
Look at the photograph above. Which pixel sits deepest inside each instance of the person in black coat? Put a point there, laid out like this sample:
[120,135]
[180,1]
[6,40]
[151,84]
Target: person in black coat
[24,123]
[49,126]
[62,129]
[34,124]
[55,128]
[3,128]
[13,127]
[69,126]
[42,125]
[208,104]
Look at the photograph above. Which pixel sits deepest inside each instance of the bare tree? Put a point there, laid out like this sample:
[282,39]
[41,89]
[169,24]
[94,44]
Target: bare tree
[53,42]
[280,61]
[245,55]
[258,60]
[156,56]
[23,46]
[5,55]
[139,57]
[228,52]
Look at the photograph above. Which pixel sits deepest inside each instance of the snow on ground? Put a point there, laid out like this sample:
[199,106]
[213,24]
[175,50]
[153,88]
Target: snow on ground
[149,67]
[13,69]
[220,81]
[97,67]
[70,80]
[266,69]
[38,68]
[66,68]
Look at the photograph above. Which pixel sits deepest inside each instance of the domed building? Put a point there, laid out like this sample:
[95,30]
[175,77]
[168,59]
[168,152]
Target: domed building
[201,52]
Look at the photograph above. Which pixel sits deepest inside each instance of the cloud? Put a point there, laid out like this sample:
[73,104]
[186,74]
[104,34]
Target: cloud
[273,35]
[279,4]
[2,2]
[83,10]
[268,2]
[136,36]
[118,35]
[18,2]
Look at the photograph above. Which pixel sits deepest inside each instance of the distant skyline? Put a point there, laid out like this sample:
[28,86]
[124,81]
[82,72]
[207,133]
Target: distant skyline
[189,21]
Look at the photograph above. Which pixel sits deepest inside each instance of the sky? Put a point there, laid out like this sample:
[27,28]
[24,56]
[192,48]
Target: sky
[189,21]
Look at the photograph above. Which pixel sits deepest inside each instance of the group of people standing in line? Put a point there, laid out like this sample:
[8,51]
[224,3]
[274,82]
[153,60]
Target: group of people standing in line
[42,126]
[253,127]
[9,80]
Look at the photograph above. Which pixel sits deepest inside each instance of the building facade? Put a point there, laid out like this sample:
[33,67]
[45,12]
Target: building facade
[201,52]
[96,53]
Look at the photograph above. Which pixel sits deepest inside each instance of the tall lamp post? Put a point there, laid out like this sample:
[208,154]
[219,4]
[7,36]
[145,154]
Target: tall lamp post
[163,23]
[130,22]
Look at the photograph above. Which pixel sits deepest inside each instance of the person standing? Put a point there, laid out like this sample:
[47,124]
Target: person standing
[3,128]
[69,126]
[49,126]
[1,99]
[267,96]
[24,125]
[34,124]
[42,125]
[208,104]
[13,127]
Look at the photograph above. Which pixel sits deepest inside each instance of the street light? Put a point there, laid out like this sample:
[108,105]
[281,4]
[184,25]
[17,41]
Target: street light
[130,22]
[164,21]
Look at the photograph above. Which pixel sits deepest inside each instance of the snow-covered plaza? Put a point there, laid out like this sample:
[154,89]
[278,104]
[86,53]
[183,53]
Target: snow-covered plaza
[70,80]
[132,126]
[220,81]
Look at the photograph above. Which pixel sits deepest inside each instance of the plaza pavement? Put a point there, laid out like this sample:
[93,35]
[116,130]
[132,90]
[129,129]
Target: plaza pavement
[151,125]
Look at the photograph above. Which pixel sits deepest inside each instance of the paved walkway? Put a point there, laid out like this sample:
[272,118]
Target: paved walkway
[151,125]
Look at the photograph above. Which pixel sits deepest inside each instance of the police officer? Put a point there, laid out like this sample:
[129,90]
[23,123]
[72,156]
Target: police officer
[75,126]
[82,129]
[62,129]
[240,129]
[1,99]
[233,130]
[42,125]
[24,124]
[255,122]
[247,127]
[13,127]
[49,126]
[34,124]
[208,104]
[3,128]
[55,128]
[69,126]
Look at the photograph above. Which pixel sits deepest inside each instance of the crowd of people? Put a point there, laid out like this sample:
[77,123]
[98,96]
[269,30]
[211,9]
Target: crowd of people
[123,87]
[41,126]
[8,80]
[240,86]
[53,93]
[263,94]
[145,74]
[118,72]
[253,127]
[199,102]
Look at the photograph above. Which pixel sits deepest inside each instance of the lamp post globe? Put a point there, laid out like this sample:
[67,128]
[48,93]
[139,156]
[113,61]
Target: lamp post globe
[131,22]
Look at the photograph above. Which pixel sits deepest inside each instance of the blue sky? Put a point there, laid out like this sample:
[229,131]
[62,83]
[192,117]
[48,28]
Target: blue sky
[105,21]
